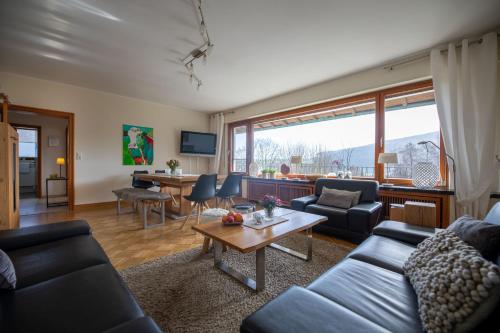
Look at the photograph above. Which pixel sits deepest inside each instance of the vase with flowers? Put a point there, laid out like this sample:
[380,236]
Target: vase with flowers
[173,165]
[269,203]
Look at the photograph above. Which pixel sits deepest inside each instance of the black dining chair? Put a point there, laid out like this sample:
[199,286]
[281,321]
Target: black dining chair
[203,190]
[229,189]
[138,183]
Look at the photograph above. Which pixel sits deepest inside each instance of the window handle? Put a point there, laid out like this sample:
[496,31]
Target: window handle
[381,141]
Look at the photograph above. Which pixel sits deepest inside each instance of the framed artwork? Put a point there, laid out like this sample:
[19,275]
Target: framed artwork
[137,146]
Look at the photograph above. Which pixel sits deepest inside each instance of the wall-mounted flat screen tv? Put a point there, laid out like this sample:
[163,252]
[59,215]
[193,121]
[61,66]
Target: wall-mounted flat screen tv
[197,143]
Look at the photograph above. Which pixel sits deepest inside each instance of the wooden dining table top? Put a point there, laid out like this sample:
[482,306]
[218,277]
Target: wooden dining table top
[164,178]
[246,239]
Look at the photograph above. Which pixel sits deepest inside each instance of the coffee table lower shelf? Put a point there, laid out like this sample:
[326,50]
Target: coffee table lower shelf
[259,284]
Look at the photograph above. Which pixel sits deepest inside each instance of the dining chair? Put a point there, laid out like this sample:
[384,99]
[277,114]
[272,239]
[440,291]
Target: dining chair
[138,183]
[203,190]
[229,189]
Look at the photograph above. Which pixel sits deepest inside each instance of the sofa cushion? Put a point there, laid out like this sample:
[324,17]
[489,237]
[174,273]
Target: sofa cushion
[383,252]
[7,272]
[338,198]
[379,295]
[93,299]
[38,263]
[337,217]
[404,232]
[368,188]
[457,288]
[299,310]
[483,236]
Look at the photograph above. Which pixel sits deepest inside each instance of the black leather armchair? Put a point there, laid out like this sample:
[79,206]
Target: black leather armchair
[355,223]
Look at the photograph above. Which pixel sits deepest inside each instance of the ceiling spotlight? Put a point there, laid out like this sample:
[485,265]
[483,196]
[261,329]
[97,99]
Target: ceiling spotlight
[201,52]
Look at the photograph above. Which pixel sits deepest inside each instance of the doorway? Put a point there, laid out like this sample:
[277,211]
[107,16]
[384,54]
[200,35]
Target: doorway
[47,146]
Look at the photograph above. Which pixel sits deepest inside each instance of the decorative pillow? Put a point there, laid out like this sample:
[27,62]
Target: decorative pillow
[7,273]
[456,287]
[483,236]
[337,198]
[356,198]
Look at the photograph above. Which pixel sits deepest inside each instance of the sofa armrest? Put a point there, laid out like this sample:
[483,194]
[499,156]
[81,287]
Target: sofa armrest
[367,213]
[30,236]
[143,325]
[301,203]
[404,232]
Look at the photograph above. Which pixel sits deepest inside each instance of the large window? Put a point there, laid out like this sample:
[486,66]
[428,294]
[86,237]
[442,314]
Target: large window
[346,135]
[336,139]
[410,119]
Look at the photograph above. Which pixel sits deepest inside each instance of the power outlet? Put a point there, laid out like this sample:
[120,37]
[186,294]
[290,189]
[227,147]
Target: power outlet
[78,156]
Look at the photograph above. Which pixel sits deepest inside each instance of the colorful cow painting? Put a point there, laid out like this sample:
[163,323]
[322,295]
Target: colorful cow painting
[137,145]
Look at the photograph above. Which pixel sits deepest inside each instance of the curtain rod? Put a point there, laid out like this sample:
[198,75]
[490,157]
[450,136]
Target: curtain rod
[426,54]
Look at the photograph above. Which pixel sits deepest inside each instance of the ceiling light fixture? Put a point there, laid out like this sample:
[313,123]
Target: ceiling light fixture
[201,52]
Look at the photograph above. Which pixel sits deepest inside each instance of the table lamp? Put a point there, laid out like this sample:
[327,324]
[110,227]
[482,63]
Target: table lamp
[387,158]
[60,162]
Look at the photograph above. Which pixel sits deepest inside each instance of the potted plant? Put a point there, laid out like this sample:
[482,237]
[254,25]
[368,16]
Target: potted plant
[271,172]
[269,203]
[173,164]
[265,173]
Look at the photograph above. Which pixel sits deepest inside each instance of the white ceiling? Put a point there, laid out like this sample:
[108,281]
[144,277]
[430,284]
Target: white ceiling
[263,48]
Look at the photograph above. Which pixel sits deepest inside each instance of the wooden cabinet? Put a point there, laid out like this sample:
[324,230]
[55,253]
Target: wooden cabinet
[420,213]
[9,177]
[286,190]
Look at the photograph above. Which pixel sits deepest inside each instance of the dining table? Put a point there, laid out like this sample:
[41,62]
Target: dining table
[179,207]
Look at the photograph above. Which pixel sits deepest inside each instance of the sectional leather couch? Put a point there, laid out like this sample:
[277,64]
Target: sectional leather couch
[365,292]
[355,223]
[65,283]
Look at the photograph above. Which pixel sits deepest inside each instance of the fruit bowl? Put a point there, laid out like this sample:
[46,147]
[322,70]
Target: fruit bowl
[232,218]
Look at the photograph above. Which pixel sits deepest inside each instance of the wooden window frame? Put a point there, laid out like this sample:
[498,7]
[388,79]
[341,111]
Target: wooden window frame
[379,98]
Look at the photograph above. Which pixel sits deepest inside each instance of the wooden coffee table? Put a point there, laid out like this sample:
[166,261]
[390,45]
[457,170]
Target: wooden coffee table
[246,239]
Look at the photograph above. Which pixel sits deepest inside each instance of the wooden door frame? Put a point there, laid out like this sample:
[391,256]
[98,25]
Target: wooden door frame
[70,160]
[39,154]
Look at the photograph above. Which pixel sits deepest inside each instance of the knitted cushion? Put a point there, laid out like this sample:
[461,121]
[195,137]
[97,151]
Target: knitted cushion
[455,286]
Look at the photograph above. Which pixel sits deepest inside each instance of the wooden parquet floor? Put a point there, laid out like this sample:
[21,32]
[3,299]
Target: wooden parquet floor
[126,242]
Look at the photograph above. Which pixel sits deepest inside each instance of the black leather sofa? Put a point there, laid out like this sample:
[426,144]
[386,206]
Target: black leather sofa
[355,223]
[65,283]
[365,292]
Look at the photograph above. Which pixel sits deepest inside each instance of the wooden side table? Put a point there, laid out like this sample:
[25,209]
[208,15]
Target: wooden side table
[59,203]
[420,213]
[397,212]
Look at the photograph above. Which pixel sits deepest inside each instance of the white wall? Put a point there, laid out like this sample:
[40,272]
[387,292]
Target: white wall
[354,84]
[98,131]
[50,126]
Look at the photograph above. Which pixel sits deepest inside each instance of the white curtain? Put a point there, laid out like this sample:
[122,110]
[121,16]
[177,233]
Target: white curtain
[466,83]
[217,127]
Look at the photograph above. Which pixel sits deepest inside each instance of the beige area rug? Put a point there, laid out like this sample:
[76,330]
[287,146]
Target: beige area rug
[185,293]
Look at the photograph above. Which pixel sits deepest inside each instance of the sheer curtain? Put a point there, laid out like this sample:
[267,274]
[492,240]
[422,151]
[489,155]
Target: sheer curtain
[217,127]
[466,83]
